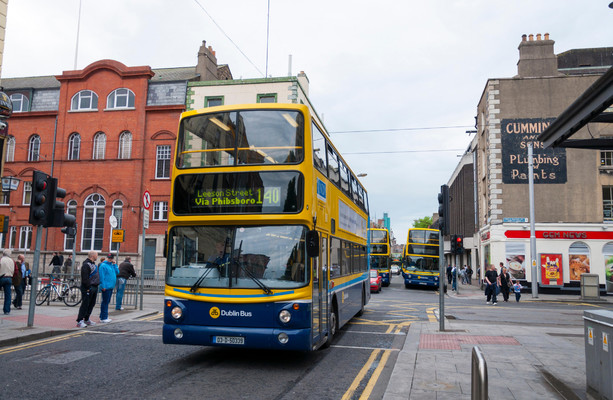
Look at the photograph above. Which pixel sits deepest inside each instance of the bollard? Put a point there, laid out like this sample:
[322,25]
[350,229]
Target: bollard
[478,381]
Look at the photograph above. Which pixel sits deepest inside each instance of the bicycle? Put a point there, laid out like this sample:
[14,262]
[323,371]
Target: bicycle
[71,295]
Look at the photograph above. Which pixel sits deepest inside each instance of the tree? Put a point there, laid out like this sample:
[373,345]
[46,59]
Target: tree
[424,222]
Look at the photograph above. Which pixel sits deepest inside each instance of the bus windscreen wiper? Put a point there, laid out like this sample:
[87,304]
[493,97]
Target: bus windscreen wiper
[250,274]
[196,285]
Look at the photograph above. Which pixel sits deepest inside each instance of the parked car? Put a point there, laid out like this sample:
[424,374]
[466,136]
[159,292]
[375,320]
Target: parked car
[395,269]
[375,281]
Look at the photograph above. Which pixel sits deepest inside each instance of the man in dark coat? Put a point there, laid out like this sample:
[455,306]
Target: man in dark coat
[126,270]
[90,279]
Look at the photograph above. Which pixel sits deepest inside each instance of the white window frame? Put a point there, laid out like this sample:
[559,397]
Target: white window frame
[21,103]
[85,100]
[125,146]
[160,211]
[10,149]
[162,159]
[34,148]
[95,203]
[99,146]
[25,237]
[12,237]
[74,146]
[27,193]
[117,97]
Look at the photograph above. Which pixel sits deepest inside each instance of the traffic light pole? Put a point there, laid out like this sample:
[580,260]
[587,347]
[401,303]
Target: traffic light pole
[441,282]
[34,284]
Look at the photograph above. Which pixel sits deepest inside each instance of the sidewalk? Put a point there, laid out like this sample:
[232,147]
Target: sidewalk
[524,362]
[57,318]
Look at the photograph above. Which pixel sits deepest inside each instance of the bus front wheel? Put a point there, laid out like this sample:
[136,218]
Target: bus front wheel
[332,324]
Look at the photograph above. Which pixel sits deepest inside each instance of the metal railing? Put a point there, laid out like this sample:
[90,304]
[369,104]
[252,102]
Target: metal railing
[478,381]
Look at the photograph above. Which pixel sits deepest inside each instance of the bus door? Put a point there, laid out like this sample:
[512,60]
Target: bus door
[319,305]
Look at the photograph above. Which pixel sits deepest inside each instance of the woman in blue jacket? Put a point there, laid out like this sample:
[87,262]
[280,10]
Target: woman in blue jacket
[108,278]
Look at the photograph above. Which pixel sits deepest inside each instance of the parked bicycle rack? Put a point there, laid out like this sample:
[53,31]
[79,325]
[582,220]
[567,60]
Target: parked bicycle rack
[478,382]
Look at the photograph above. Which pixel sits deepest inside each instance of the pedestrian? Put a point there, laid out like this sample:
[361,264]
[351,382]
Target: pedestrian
[56,262]
[449,268]
[7,267]
[454,277]
[469,275]
[517,290]
[19,281]
[505,283]
[491,281]
[463,275]
[28,275]
[126,270]
[108,279]
[68,265]
[90,279]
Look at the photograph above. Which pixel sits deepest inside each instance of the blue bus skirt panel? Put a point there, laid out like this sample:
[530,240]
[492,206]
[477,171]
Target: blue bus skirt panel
[247,325]
[385,277]
[423,280]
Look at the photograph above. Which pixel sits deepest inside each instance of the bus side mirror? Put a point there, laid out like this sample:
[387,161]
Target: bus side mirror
[312,243]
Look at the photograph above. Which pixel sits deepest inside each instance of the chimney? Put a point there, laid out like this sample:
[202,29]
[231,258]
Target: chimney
[536,57]
[207,63]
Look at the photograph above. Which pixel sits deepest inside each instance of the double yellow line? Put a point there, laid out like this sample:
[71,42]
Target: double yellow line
[374,377]
[42,342]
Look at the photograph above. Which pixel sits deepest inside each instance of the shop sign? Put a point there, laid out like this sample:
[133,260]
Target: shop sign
[551,270]
[564,235]
[549,165]
[6,105]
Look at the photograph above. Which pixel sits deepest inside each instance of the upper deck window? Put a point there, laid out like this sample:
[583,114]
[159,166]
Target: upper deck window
[241,138]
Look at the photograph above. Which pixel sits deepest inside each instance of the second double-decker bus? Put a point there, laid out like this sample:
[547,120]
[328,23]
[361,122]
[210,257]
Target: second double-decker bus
[421,253]
[266,242]
[380,253]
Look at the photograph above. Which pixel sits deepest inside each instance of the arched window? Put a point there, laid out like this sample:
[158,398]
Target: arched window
[74,146]
[120,98]
[93,223]
[125,145]
[118,213]
[71,208]
[20,103]
[84,100]
[99,146]
[34,148]
[10,149]
[578,260]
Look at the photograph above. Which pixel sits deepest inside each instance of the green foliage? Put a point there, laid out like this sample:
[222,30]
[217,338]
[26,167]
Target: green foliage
[424,222]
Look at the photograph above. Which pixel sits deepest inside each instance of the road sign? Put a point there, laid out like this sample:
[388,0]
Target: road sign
[146,199]
[146,219]
[113,221]
[117,235]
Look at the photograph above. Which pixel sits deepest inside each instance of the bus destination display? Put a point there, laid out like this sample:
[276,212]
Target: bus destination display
[265,197]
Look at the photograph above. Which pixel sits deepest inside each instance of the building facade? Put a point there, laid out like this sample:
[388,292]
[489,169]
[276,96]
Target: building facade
[573,188]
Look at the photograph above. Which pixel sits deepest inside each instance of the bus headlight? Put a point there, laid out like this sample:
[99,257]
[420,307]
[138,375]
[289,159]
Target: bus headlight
[176,312]
[283,338]
[285,316]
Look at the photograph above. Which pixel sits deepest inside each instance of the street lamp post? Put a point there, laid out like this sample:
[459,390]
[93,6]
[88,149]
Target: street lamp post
[9,183]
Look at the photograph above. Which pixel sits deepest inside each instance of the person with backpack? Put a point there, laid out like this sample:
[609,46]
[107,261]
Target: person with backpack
[7,267]
[19,281]
[90,279]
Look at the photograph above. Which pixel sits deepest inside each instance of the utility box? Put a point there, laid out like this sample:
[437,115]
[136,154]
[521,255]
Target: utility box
[598,329]
[590,288]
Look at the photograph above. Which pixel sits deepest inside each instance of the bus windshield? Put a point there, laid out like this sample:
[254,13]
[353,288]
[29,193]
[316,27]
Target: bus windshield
[416,263]
[268,257]
[250,137]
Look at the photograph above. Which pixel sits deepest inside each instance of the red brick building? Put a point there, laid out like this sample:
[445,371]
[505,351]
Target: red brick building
[107,133]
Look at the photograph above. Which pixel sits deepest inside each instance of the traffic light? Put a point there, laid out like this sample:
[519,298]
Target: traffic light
[459,244]
[59,218]
[40,201]
[70,231]
[453,241]
[443,210]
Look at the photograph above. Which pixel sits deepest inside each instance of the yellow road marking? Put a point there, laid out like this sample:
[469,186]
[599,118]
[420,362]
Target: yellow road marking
[356,382]
[431,316]
[375,376]
[40,342]
[152,317]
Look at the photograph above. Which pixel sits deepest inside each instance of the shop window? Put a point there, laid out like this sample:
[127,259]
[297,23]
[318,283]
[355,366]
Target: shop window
[578,260]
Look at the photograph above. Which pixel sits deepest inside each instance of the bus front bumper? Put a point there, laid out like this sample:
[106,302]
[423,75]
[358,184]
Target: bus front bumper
[245,337]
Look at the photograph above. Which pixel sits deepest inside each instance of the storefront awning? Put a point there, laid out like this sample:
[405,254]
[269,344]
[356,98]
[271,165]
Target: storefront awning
[594,105]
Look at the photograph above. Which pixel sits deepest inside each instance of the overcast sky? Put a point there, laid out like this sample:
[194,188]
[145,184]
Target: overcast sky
[377,67]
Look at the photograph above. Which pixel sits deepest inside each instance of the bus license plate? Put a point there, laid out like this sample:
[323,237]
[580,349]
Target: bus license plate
[229,340]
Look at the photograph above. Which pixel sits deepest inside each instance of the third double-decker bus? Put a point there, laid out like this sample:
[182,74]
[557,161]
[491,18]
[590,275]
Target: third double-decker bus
[421,254]
[266,243]
[380,253]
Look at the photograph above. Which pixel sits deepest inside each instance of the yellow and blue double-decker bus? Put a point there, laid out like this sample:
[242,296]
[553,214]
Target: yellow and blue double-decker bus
[380,254]
[266,244]
[421,254]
